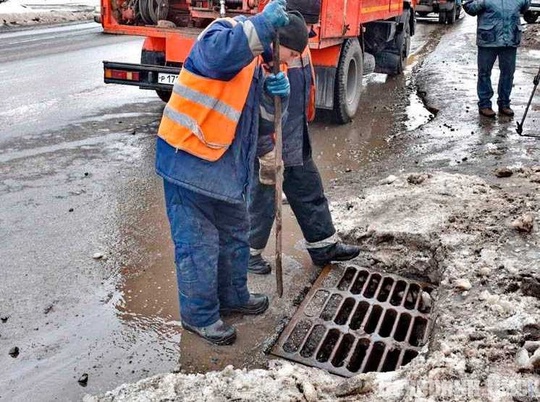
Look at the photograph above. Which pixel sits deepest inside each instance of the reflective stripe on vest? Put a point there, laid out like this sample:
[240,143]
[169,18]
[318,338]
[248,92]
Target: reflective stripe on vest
[202,114]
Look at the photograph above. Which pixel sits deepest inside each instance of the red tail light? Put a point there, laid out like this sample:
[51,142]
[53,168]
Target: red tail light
[122,75]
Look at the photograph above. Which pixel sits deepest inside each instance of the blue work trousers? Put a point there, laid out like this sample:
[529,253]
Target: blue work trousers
[211,253]
[507,67]
[304,190]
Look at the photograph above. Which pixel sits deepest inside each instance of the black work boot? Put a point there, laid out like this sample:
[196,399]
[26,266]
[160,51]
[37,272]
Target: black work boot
[257,304]
[218,333]
[258,265]
[336,252]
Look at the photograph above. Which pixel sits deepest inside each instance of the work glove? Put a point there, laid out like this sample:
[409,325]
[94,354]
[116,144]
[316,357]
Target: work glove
[277,85]
[267,168]
[275,13]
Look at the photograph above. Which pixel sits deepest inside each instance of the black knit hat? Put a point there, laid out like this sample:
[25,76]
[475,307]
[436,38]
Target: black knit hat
[294,35]
[310,9]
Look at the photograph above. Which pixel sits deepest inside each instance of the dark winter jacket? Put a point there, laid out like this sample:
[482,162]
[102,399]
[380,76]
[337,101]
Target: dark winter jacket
[499,22]
[295,132]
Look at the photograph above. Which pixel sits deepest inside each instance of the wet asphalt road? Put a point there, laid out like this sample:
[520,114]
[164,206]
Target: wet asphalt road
[77,182]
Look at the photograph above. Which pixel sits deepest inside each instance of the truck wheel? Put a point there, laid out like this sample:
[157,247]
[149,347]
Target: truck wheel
[393,59]
[156,59]
[164,95]
[404,42]
[530,17]
[451,15]
[442,17]
[348,81]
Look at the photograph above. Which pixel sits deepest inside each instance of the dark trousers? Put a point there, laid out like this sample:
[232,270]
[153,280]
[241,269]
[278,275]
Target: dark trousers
[507,67]
[304,190]
[211,253]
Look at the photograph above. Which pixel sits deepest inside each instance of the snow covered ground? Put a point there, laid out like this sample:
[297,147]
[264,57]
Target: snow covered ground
[31,12]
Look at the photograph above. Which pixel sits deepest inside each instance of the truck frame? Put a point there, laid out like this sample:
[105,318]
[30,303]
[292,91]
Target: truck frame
[346,29]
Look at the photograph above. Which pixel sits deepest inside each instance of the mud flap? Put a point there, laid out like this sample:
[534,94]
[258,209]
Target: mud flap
[325,82]
[387,63]
[392,59]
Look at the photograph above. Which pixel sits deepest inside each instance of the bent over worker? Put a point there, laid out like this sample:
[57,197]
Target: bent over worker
[205,154]
[302,182]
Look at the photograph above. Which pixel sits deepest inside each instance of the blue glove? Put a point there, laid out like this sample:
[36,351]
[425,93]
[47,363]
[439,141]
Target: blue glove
[277,85]
[275,13]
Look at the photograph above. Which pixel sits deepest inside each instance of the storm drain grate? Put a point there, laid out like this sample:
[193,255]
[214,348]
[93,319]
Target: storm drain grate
[355,320]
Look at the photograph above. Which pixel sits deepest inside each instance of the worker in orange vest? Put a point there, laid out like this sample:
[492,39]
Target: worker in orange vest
[205,154]
[302,182]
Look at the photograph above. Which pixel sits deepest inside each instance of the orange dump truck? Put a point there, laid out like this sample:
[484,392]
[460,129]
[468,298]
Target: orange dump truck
[346,29]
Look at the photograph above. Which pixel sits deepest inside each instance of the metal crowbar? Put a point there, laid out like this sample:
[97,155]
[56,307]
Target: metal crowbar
[279,174]
[520,125]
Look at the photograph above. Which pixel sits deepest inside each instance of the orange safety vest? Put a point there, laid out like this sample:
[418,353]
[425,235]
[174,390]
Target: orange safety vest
[310,111]
[202,114]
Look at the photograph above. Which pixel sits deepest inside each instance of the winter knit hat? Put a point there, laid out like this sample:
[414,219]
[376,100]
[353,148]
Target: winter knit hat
[294,35]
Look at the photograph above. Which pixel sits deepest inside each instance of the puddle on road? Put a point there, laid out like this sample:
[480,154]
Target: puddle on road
[417,114]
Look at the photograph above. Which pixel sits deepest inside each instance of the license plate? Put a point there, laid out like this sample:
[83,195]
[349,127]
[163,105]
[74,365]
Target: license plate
[168,79]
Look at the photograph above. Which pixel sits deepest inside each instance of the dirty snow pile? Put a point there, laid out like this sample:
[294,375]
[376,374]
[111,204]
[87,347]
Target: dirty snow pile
[477,241]
[282,382]
[22,12]
[531,36]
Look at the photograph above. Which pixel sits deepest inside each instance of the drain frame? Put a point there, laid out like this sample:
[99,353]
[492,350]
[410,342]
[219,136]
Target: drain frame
[326,338]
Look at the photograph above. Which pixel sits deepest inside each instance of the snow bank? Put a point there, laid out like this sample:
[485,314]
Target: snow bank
[32,12]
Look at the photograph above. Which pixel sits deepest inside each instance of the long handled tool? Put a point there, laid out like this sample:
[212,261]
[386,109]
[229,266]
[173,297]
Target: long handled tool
[520,125]
[279,175]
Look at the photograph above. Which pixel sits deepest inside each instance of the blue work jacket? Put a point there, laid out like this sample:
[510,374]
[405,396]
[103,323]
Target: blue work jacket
[295,131]
[499,22]
[220,53]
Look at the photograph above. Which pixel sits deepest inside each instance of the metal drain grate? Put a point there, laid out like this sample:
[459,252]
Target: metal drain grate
[355,320]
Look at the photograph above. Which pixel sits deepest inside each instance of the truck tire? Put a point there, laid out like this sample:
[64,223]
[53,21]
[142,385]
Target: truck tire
[530,17]
[157,59]
[348,84]
[451,14]
[164,95]
[404,41]
[442,16]
[393,59]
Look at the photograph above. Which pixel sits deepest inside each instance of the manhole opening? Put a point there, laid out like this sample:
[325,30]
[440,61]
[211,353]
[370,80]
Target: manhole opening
[355,320]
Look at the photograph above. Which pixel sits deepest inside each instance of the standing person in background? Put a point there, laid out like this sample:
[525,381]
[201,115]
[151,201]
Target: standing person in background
[205,154]
[302,182]
[498,35]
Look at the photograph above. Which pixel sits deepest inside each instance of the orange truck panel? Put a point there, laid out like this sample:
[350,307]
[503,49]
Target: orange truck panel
[340,19]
